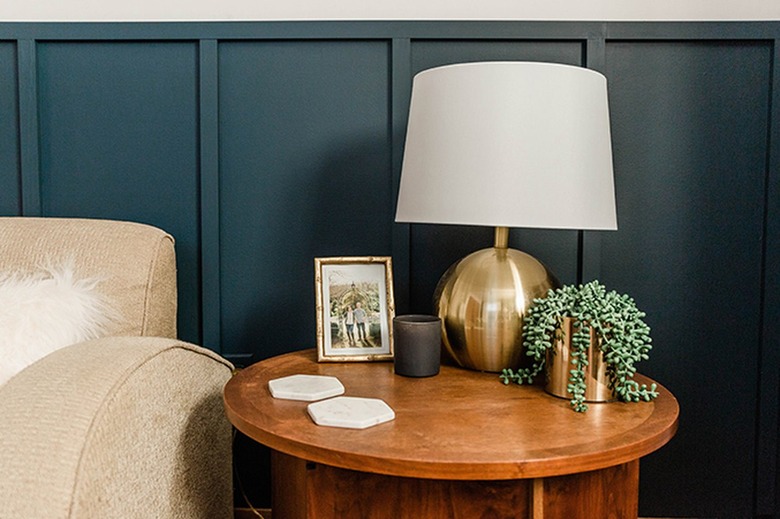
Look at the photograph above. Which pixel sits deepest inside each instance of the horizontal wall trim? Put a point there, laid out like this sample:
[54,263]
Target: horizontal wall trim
[460,30]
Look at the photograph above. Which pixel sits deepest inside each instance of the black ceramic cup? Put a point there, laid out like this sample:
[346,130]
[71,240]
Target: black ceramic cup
[417,345]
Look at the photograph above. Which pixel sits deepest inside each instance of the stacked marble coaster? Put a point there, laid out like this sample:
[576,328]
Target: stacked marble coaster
[307,388]
[342,411]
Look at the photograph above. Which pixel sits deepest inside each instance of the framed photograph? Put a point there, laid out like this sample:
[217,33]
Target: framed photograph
[355,308]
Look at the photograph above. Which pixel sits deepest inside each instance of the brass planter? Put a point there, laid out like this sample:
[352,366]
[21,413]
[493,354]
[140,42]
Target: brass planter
[558,363]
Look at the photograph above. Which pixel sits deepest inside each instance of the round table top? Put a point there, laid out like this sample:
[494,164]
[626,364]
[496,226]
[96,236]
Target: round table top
[460,424]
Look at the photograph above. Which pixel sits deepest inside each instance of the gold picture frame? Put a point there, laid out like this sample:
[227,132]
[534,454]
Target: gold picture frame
[355,308]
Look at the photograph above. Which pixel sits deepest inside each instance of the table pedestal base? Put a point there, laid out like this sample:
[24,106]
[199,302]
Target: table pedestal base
[305,490]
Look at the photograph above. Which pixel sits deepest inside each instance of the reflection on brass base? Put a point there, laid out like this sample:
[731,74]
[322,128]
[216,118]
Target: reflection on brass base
[482,299]
[558,365]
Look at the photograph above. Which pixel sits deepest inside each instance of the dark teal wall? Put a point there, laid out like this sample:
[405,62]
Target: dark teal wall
[261,146]
[304,172]
[690,140]
[118,139]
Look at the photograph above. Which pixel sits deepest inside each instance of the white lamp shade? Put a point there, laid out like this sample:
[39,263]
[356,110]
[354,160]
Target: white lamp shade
[509,144]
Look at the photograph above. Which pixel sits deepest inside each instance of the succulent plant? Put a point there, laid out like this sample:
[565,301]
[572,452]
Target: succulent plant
[623,338]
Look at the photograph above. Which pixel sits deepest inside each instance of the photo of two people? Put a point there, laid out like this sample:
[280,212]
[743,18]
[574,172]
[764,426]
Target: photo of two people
[355,307]
[355,316]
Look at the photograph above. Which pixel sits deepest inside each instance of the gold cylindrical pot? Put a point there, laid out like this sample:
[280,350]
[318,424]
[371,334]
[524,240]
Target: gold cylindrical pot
[559,365]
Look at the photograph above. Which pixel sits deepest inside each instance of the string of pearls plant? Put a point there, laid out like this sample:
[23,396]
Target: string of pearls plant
[622,336]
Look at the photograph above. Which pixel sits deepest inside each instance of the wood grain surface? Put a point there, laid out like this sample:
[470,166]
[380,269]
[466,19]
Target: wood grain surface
[306,490]
[458,425]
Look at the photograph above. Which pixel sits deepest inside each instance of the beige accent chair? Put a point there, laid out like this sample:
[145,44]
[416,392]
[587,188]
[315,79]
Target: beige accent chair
[130,425]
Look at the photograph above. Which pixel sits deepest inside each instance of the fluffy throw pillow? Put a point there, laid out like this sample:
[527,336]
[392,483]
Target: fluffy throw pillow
[44,311]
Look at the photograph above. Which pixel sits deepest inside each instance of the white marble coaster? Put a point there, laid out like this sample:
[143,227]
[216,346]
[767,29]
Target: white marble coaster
[351,412]
[305,387]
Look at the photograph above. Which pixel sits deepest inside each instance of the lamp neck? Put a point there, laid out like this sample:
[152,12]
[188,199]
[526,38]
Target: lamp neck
[502,238]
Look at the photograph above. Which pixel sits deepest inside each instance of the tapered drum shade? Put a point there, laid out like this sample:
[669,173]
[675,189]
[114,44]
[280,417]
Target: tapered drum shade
[512,144]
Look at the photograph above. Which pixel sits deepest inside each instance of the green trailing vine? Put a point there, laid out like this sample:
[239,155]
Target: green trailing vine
[624,339]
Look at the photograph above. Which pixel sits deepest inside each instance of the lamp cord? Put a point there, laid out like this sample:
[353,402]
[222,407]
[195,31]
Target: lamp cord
[241,485]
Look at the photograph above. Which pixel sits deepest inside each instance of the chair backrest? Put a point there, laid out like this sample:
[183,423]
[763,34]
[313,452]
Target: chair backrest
[136,264]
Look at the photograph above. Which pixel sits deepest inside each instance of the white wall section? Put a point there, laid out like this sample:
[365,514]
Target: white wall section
[251,10]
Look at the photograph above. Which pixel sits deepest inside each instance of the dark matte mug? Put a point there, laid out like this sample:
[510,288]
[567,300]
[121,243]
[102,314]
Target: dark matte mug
[417,345]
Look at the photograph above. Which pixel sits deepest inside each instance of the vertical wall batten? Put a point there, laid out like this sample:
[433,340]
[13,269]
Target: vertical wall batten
[400,95]
[768,379]
[28,128]
[589,242]
[208,74]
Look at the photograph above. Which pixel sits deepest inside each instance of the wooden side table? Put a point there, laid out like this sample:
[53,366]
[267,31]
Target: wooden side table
[461,445]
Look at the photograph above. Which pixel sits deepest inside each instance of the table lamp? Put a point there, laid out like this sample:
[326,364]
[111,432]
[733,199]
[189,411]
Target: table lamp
[504,144]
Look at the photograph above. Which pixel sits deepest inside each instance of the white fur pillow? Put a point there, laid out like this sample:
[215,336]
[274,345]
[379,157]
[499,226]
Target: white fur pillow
[44,311]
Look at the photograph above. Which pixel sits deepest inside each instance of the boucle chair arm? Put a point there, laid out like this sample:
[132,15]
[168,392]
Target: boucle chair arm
[128,427]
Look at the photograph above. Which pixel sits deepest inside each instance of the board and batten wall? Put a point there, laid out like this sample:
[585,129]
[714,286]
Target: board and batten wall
[262,145]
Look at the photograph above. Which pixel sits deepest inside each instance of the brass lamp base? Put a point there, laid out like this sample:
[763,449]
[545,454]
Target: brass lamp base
[482,299]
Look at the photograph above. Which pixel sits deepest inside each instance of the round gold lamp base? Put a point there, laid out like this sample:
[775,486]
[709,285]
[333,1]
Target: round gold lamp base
[482,299]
